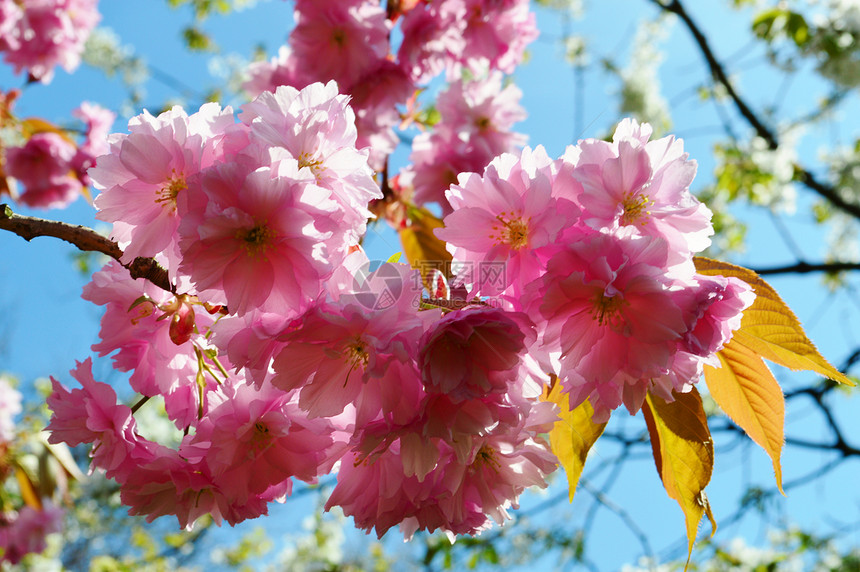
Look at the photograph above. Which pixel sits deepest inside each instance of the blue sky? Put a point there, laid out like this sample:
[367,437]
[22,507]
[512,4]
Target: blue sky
[45,325]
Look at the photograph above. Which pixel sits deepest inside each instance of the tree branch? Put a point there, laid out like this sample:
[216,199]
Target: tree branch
[85,239]
[719,74]
[806,268]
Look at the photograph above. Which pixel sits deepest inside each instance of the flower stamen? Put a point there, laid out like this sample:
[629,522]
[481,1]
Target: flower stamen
[635,206]
[166,196]
[257,240]
[356,355]
[514,231]
[315,165]
[486,456]
[606,310]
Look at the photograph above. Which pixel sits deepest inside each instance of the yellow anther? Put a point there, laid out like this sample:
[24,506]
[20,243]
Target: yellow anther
[513,231]
[635,205]
[256,240]
[168,193]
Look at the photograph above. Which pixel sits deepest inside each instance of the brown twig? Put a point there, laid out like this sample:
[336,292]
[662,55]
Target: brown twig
[719,74]
[85,239]
[806,268]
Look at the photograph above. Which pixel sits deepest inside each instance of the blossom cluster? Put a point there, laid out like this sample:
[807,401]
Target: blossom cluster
[38,36]
[352,42]
[45,166]
[22,531]
[281,352]
[597,249]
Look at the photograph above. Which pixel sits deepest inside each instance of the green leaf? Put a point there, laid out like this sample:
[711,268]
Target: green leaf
[775,22]
[197,40]
[683,453]
[797,29]
[572,436]
[764,23]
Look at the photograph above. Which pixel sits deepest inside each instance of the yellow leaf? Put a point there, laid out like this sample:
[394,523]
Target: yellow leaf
[33,125]
[684,454]
[28,490]
[573,435]
[422,248]
[769,328]
[748,393]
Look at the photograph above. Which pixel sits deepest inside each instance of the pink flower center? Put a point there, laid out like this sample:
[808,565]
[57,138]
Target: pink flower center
[356,355]
[260,438]
[339,37]
[635,205]
[166,196]
[256,241]
[486,456]
[606,310]
[513,231]
[315,165]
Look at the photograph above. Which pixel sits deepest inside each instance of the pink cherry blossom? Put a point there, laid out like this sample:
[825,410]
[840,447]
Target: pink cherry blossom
[375,98]
[269,75]
[339,40]
[436,160]
[497,33]
[255,240]
[98,121]
[255,439]
[92,415]
[474,352]
[250,341]
[484,112]
[317,128]
[148,169]
[337,353]
[11,13]
[24,533]
[170,485]
[458,496]
[44,165]
[642,187]
[476,117]
[47,33]
[432,39]
[611,316]
[503,218]
[717,310]
[500,468]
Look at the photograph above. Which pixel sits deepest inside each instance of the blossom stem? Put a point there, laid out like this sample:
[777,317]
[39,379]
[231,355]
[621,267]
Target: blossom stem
[139,404]
[85,239]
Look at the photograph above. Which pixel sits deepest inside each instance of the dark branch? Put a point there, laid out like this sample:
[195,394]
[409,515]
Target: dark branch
[806,268]
[719,74]
[85,239]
